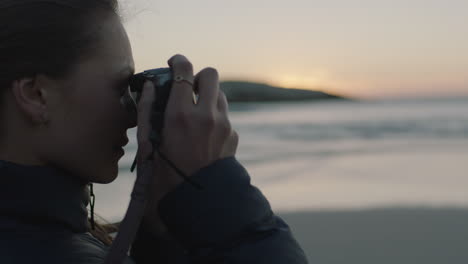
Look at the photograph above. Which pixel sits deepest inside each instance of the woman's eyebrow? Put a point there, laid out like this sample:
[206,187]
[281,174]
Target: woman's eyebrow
[127,72]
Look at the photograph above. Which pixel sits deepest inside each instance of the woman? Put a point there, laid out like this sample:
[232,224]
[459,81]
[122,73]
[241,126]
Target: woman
[64,72]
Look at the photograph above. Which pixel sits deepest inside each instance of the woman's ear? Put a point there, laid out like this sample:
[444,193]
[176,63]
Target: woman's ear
[31,96]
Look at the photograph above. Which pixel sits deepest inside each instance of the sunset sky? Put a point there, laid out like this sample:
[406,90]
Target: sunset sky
[364,49]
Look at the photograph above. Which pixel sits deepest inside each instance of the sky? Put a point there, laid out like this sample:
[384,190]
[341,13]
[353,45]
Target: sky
[362,49]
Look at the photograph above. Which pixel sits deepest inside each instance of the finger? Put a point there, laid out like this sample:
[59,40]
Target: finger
[235,137]
[208,89]
[181,91]
[230,148]
[144,124]
[222,103]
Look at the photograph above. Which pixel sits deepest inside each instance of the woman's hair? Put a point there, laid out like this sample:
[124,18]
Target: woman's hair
[49,37]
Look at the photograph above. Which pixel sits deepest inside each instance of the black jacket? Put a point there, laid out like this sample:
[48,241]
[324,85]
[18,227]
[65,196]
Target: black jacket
[43,219]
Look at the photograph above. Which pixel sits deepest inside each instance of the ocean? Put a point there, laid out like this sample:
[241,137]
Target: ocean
[357,181]
[340,155]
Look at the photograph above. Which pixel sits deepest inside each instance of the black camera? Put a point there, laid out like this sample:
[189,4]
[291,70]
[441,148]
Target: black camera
[162,81]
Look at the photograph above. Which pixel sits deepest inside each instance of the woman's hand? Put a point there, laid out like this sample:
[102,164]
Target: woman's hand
[194,135]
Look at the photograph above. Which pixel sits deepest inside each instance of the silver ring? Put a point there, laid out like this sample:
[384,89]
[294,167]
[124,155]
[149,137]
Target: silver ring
[180,79]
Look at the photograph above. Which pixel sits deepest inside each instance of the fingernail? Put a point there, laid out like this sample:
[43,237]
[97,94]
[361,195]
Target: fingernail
[147,84]
[171,60]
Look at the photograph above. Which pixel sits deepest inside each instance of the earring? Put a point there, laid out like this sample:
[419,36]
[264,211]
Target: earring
[91,205]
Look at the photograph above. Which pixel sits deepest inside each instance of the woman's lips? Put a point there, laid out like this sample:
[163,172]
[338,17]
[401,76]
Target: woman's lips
[123,142]
[120,151]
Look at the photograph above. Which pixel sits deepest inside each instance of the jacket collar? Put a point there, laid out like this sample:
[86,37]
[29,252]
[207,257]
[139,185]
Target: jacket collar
[43,195]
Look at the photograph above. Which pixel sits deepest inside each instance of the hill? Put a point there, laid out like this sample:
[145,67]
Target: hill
[237,91]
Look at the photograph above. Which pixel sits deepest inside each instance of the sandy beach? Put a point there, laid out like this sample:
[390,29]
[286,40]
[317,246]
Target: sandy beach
[393,235]
[323,167]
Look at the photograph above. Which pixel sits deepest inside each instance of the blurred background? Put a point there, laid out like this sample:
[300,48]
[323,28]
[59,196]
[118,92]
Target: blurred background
[352,116]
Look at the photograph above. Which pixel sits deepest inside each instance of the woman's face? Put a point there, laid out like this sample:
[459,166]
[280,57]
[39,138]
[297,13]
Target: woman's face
[88,120]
